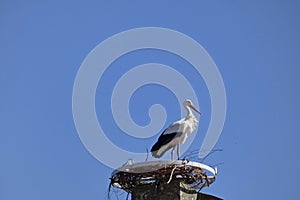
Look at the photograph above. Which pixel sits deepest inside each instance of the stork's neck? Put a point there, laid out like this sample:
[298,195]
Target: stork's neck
[191,119]
[189,112]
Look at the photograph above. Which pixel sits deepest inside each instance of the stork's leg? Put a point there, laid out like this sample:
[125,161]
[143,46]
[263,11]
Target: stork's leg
[172,153]
[178,151]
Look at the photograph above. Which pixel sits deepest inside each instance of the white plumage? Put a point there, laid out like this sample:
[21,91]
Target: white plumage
[176,133]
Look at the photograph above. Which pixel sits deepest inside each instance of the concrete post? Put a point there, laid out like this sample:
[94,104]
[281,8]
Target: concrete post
[175,190]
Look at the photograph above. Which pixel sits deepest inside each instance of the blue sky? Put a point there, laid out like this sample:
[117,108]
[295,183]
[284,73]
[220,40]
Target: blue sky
[255,45]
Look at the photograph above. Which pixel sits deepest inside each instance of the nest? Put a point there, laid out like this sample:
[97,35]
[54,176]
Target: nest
[196,175]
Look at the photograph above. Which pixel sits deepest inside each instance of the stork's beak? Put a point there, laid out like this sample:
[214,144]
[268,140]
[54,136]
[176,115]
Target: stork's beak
[195,109]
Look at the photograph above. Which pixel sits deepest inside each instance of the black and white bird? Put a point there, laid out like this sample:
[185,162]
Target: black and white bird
[177,133]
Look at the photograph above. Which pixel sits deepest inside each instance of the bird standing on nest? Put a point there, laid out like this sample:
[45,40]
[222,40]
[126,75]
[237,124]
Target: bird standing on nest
[177,133]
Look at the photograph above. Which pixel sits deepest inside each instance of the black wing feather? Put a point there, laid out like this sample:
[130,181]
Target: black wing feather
[167,136]
[162,140]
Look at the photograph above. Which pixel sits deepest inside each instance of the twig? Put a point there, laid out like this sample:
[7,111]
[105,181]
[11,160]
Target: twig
[147,155]
[171,175]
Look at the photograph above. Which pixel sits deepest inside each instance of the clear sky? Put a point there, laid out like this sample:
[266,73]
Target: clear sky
[255,45]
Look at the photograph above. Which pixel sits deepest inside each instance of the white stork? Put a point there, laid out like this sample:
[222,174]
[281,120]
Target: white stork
[177,133]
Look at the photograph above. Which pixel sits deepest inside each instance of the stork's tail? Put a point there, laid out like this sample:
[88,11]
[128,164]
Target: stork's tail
[158,151]
[156,154]
[155,151]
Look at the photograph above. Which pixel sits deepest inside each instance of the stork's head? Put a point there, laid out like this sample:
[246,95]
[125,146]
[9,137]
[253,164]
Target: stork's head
[188,103]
